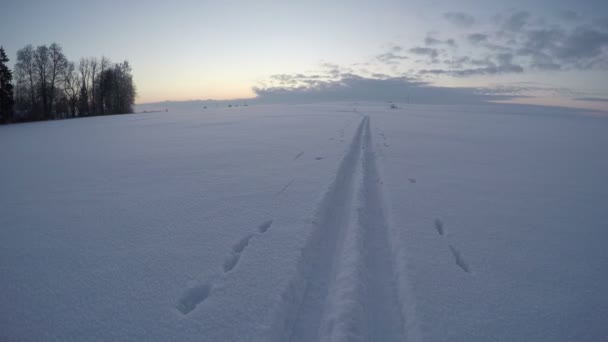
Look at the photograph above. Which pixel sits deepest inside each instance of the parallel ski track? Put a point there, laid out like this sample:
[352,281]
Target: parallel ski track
[346,287]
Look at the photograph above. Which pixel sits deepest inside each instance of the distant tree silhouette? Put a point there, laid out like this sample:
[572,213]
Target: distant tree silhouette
[104,64]
[117,90]
[93,65]
[58,63]
[85,79]
[48,86]
[38,73]
[41,68]
[70,87]
[26,95]
[6,88]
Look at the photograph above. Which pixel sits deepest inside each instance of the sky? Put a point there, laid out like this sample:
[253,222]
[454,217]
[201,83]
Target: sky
[539,52]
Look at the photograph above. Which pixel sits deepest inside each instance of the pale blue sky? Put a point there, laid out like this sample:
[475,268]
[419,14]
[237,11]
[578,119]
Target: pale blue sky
[221,49]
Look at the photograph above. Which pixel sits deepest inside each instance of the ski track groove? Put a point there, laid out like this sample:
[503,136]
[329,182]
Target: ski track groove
[346,287]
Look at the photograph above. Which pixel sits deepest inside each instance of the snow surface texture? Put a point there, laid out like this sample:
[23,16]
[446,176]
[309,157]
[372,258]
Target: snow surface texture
[328,222]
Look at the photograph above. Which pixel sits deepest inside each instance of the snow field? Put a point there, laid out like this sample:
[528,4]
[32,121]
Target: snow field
[323,222]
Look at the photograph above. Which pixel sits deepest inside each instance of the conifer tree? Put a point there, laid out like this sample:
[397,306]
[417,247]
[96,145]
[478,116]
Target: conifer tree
[6,88]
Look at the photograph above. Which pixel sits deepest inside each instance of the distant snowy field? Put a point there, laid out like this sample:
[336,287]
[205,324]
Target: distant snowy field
[328,222]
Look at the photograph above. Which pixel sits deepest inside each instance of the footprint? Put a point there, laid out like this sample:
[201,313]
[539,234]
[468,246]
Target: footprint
[193,297]
[318,158]
[459,259]
[264,226]
[284,188]
[196,295]
[439,226]
[231,261]
[240,246]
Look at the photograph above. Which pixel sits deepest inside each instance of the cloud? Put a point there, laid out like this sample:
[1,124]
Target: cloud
[592,99]
[516,21]
[425,51]
[515,44]
[584,47]
[332,70]
[482,62]
[498,47]
[602,22]
[381,76]
[504,58]
[517,41]
[390,58]
[489,70]
[431,41]
[543,38]
[477,38]
[501,63]
[584,44]
[358,88]
[460,19]
[568,15]
[492,70]
[457,62]
[525,87]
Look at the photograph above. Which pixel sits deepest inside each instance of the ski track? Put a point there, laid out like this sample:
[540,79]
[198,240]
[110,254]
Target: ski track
[346,287]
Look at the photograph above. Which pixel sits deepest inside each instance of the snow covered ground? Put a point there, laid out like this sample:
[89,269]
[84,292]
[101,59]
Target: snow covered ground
[326,222]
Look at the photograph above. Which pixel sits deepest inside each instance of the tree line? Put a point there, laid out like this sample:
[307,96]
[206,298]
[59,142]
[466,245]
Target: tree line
[48,86]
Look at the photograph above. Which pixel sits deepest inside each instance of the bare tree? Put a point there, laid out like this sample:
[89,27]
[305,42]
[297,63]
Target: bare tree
[41,66]
[104,64]
[70,84]
[49,86]
[93,65]
[58,63]
[26,78]
[85,75]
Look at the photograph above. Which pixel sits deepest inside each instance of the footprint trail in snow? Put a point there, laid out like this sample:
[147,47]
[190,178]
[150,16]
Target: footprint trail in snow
[197,294]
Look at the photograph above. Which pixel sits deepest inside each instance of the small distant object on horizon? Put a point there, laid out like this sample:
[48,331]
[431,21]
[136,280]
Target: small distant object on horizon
[394,106]
[154,111]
